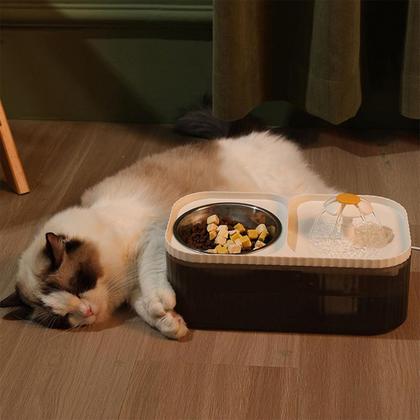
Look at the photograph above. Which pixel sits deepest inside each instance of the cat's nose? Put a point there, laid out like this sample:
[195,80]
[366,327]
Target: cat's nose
[88,312]
[85,308]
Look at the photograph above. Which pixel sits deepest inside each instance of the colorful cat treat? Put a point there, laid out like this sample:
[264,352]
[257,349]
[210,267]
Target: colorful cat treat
[259,244]
[262,236]
[234,248]
[252,233]
[220,249]
[223,233]
[228,237]
[211,227]
[246,242]
[220,240]
[213,219]
[239,227]
[261,228]
[235,236]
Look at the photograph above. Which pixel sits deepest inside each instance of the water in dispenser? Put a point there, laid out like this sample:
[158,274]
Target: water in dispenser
[347,227]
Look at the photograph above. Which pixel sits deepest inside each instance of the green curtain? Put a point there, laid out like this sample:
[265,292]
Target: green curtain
[311,53]
[410,104]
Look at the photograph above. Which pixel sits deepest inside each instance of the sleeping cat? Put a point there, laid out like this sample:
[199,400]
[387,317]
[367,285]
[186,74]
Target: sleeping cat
[87,260]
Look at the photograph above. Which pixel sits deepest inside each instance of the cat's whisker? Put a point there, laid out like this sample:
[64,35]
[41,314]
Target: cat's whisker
[71,329]
[53,322]
[50,324]
[41,317]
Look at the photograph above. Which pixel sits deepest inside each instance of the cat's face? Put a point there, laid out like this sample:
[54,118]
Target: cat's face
[58,284]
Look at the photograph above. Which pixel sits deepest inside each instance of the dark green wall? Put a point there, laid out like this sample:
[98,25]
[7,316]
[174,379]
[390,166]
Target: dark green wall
[104,60]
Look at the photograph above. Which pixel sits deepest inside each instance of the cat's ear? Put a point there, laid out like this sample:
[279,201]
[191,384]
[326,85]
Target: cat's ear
[21,313]
[55,248]
[11,301]
[21,309]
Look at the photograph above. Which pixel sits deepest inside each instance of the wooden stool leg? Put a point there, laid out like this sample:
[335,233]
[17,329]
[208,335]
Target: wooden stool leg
[12,166]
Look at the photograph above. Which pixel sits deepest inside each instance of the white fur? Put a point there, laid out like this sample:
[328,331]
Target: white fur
[125,217]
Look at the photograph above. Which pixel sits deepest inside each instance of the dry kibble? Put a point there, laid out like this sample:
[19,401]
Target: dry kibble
[232,232]
[213,219]
[212,234]
[222,227]
[211,226]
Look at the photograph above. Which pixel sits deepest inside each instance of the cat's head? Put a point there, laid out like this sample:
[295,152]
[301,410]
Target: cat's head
[59,282]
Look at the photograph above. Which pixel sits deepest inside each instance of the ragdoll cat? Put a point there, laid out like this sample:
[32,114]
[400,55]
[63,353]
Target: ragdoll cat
[89,259]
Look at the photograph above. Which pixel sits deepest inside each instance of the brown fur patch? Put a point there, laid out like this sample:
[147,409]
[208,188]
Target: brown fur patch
[78,271]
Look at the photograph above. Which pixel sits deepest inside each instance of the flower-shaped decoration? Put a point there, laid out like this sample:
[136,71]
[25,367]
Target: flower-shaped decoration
[348,205]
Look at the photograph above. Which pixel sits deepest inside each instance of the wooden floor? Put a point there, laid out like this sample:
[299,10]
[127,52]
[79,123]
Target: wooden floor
[128,371]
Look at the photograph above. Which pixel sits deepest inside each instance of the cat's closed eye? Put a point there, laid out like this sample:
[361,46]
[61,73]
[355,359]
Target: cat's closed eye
[83,280]
[47,288]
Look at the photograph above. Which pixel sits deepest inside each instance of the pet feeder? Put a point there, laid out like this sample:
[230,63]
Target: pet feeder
[334,265]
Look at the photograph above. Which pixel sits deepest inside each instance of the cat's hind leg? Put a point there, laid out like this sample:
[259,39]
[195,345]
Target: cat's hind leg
[155,301]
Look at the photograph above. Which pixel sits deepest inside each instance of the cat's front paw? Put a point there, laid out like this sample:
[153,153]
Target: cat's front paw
[172,325]
[159,302]
[156,309]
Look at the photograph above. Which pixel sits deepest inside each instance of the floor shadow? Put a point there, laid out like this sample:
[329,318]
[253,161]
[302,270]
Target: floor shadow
[5,187]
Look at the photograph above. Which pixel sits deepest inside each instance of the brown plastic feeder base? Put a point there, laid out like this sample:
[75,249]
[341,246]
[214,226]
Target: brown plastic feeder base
[293,299]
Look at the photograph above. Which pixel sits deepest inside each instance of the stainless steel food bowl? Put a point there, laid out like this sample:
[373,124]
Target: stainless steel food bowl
[247,214]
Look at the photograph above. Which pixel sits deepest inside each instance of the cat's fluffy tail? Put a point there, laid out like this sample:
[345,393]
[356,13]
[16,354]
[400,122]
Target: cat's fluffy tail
[202,123]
